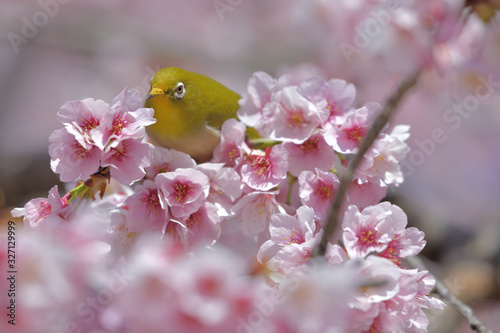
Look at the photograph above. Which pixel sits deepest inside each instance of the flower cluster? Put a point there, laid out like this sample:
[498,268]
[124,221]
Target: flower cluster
[96,134]
[265,199]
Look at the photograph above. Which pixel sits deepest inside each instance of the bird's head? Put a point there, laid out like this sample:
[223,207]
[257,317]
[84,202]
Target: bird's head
[175,97]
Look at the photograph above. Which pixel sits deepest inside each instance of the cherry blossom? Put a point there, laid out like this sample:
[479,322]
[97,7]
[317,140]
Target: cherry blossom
[144,210]
[372,229]
[255,210]
[317,190]
[166,160]
[232,143]
[127,159]
[227,245]
[44,211]
[126,118]
[263,170]
[292,240]
[83,118]
[310,154]
[183,190]
[70,158]
[334,96]
[294,118]
[346,138]
[261,86]
[382,160]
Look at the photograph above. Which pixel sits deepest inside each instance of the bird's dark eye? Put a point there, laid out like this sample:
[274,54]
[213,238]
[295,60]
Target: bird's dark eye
[179,90]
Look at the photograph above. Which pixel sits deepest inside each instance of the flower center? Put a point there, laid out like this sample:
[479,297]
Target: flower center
[323,191]
[119,122]
[78,151]
[356,133]
[88,124]
[182,191]
[310,146]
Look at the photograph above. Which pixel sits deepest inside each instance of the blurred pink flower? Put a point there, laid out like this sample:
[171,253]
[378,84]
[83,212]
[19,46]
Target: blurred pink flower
[255,210]
[225,186]
[202,227]
[41,212]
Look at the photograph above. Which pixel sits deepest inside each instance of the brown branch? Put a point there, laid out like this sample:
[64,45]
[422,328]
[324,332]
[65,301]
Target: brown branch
[445,293]
[380,121]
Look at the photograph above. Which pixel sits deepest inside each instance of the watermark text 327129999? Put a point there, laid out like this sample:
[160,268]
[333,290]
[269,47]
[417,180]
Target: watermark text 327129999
[11,272]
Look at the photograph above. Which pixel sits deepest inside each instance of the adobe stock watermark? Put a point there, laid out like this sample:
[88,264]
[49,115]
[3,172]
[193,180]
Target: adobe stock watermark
[91,306]
[454,117]
[31,25]
[369,29]
[223,6]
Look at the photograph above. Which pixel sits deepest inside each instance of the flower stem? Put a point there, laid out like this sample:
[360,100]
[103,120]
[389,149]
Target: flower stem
[379,123]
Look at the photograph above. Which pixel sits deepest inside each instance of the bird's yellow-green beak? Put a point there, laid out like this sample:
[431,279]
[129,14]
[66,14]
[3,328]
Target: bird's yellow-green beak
[155,92]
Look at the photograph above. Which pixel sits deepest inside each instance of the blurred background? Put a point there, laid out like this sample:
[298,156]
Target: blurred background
[53,51]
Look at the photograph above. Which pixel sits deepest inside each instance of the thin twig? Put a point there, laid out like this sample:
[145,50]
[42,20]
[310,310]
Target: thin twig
[380,121]
[445,293]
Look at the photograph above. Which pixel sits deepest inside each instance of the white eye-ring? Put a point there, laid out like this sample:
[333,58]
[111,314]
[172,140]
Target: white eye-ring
[179,90]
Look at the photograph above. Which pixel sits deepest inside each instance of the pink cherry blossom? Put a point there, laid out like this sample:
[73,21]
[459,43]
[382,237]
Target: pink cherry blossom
[405,242]
[293,239]
[44,211]
[232,143]
[317,190]
[83,118]
[345,138]
[335,254]
[292,118]
[371,229]
[183,190]
[202,227]
[261,86]
[166,160]
[382,160]
[335,96]
[425,284]
[264,170]
[312,153]
[126,118]
[127,159]
[144,210]
[379,278]
[364,194]
[225,186]
[70,158]
[255,210]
